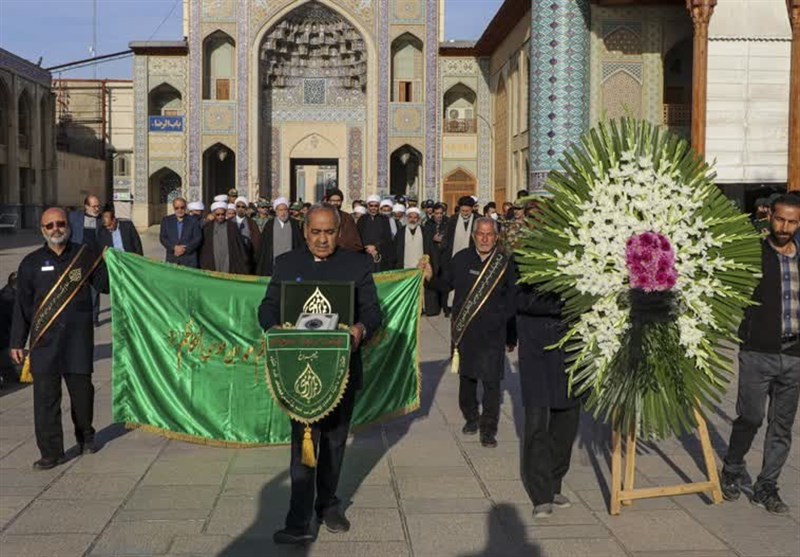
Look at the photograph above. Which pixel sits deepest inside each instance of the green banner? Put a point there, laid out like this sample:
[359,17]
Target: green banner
[307,372]
[190,357]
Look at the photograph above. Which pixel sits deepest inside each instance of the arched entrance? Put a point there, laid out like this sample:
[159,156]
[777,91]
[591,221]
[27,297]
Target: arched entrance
[219,171]
[406,165]
[314,68]
[458,184]
[165,185]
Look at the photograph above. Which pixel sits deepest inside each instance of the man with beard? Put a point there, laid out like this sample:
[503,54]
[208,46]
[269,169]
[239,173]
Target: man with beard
[413,242]
[251,235]
[458,235]
[437,228]
[281,234]
[386,208]
[769,362]
[323,261]
[483,280]
[348,232]
[223,250]
[376,235]
[54,308]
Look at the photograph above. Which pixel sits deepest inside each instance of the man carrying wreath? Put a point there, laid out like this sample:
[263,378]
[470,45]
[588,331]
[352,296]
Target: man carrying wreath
[322,261]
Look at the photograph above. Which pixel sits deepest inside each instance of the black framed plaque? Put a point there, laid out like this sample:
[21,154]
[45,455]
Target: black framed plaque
[318,297]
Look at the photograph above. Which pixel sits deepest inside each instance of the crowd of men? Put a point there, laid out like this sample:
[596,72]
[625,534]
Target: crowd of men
[466,254]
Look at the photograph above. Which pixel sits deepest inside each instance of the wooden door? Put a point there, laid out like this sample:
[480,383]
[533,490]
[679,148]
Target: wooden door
[456,185]
[223,89]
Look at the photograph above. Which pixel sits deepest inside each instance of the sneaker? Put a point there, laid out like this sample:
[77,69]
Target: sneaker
[488,440]
[291,537]
[730,484]
[470,428]
[561,501]
[545,510]
[767,498]
[335,521]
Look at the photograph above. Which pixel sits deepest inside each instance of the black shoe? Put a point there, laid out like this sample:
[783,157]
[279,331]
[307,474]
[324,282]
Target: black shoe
[88,447]
[488,440]
[470,428]
[48,463]
[766,497]
[447,313]
[730,484]
[335,521]
[292,537]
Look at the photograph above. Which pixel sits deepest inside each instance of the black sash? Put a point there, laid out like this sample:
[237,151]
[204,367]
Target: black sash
[66,287]
[484,285]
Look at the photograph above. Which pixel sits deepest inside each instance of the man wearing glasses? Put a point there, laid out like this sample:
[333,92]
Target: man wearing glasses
[181,235]
[83,226]
[53,315]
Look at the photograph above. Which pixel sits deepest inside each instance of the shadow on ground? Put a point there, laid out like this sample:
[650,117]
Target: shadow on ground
[507,535]
[367,448]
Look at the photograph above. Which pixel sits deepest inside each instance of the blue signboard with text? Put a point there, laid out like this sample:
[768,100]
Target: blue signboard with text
[166,123]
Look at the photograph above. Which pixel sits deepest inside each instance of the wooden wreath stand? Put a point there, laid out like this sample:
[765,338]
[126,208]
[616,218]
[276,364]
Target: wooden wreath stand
[626,494]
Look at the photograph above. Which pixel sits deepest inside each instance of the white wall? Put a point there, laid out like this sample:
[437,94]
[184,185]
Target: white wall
[748,91]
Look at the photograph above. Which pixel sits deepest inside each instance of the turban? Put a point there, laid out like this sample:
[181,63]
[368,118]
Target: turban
[280,201]
[413,210]
[374,199]
[195,206]
[232,206]
[221,197]
[240,199]
[386,203]
[398,208]
[218,205]
[466,201]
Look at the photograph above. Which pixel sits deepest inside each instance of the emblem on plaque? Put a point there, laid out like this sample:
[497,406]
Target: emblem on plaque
[317,303]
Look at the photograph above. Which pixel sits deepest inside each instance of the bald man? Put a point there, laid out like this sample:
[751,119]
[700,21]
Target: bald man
[54,317]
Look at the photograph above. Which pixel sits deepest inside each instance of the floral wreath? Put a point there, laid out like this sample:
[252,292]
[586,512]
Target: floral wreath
[655,266]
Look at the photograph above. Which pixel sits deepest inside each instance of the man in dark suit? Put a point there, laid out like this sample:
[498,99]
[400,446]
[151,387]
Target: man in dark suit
[280,235]
[83,226]
[322,261]
[551,415]
[118,234]
[181,235]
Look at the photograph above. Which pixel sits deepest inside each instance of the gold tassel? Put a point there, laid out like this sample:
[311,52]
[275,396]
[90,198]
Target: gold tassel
[25,376]
[308,458]
[455,362]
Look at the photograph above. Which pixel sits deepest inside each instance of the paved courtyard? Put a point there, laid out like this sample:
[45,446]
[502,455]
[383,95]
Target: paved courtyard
[416,486]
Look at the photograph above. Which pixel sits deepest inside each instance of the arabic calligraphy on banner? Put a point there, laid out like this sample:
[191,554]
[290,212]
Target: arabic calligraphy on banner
[166,123]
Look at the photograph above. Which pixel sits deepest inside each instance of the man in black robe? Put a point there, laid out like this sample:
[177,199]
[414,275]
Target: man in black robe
[322,261]
[376,236]
[281,234]
[551,415]
[457,239]
[485,340]
[66,347]
[413,241]
[223,249]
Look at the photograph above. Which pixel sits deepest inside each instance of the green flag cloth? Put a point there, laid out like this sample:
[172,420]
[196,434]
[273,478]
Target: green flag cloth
[189,354]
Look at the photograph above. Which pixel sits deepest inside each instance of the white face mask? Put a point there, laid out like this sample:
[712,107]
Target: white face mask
[493,216]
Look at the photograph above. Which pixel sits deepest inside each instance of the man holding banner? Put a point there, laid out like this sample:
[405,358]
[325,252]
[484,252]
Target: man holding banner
[314,488]
[483,305]
[54,308]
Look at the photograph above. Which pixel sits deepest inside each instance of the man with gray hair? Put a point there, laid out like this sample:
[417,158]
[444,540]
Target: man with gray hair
[54,317]
[281,234]
[483,307]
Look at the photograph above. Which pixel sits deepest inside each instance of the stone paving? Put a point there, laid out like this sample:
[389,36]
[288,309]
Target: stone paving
[416,486]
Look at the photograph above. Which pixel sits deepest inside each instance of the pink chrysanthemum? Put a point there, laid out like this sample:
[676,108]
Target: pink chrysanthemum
[651,262]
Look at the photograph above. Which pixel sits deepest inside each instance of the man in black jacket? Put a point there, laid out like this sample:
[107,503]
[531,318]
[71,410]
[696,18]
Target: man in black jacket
[118,234]
[181,235]
[769,362]
[551,415]
[64,346]
[322,261]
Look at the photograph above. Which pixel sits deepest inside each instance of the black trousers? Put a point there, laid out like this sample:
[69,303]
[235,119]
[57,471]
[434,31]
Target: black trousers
[764,376]
[468,402]
[547,449]
[47,410]
[330,438]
